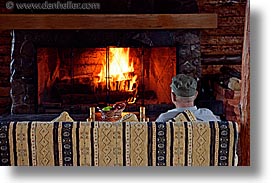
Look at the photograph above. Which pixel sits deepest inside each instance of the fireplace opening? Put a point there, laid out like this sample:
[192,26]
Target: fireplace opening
[74,79]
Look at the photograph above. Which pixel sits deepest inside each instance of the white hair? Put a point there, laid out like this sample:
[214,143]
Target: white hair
[185,99]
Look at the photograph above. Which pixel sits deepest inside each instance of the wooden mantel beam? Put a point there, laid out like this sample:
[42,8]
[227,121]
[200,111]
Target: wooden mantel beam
[108,21]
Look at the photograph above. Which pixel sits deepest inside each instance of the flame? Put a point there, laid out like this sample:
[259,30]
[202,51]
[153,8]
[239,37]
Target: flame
[121,70]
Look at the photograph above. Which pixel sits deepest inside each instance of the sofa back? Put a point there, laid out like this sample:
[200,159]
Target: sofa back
[33,143]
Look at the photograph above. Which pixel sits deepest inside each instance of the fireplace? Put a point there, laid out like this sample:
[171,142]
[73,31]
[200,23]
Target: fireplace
[93,76]
[58,70]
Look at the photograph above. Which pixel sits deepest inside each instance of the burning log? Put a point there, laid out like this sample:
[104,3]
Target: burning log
[118,72]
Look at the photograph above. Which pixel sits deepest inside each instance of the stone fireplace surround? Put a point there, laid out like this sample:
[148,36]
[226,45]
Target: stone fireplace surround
[25,43]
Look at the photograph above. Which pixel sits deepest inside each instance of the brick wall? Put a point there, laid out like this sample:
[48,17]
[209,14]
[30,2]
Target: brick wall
[5,41]
[5,58]
[227,39]
[5,51]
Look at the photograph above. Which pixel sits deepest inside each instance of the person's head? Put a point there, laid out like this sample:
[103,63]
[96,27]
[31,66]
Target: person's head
[183,90]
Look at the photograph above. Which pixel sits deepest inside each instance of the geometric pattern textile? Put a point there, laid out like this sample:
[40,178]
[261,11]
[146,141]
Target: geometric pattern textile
[186,115]
[34,143]
[64,116]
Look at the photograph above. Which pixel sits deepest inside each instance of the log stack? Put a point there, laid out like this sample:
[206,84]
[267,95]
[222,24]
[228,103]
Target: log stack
[231,101]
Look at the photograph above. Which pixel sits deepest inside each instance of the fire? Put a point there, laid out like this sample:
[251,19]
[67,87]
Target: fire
[121,75]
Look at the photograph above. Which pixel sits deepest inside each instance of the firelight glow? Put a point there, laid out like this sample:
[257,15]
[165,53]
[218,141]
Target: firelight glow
[121,70]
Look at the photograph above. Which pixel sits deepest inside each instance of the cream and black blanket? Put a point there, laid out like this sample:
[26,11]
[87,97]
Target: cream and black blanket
[31,143]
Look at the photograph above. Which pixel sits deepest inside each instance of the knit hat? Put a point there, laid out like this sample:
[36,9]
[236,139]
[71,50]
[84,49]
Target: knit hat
[183,85]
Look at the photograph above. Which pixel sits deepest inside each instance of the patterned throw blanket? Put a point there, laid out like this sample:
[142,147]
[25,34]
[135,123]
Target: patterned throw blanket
[118,143]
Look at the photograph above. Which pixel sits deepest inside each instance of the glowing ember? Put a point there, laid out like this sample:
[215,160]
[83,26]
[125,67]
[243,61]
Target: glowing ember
[121,75]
